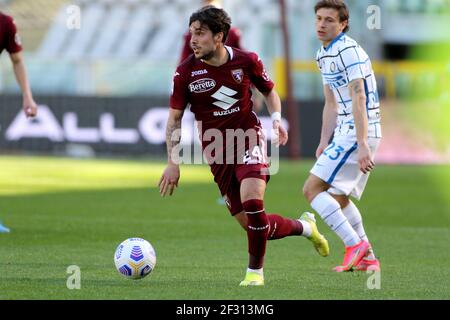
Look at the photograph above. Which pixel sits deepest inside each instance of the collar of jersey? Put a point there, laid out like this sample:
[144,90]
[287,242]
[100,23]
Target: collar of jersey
[230,51]
[334,41]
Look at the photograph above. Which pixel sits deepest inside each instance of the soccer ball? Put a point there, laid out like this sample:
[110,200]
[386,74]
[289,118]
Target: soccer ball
[135,258]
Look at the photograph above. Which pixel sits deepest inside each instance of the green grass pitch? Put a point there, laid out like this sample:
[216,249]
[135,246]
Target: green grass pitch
[66,212]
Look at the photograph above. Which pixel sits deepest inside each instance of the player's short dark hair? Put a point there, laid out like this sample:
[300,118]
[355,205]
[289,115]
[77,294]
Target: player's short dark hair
[216,19]
[340,6]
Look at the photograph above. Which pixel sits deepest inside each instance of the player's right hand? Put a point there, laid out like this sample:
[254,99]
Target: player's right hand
[169,179]
[320,149]
[29,107]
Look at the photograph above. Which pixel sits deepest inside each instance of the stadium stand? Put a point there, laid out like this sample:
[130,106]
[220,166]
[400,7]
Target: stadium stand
[117,34]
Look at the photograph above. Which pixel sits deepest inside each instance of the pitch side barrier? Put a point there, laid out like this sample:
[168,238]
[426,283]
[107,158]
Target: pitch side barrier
[124,126]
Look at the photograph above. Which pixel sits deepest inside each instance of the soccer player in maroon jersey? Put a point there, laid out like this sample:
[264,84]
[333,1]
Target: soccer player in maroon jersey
[216,81]
[10,40]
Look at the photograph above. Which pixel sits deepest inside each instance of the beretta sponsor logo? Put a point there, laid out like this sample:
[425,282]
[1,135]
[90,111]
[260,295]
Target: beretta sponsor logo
[202,85]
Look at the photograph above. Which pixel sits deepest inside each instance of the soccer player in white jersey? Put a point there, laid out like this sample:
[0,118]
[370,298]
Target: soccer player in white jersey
[351,116]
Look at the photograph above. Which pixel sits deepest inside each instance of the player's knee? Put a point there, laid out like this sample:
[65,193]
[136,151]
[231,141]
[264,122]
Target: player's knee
[252,189]
[343,200]
[308,191]
[311,190]
[252,194]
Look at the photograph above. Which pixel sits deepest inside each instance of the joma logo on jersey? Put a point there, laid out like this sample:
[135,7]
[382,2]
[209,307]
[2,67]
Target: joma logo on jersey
[202,85]
[198,72]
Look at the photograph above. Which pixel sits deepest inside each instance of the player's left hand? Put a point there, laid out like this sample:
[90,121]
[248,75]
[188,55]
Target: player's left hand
[281,134]
[365,158]
[29,107]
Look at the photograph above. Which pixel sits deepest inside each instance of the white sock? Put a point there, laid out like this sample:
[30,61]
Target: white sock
[330,211]
[354,217]
[307,230]
[258,271]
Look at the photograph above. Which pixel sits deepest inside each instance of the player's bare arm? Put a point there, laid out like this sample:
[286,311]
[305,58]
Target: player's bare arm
[171,174]
[29,106]
[329,116]
[273,103]
[361,124]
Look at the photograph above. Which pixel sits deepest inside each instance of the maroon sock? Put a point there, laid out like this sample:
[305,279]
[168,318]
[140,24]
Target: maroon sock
[258,227]
[281,227]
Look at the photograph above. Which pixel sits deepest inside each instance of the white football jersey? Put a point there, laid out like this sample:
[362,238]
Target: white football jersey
[341,62]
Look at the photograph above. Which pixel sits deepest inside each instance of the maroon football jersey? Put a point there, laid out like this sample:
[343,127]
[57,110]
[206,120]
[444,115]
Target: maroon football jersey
[9,38]
[220,97]
[233,40]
